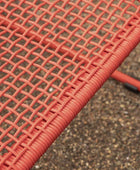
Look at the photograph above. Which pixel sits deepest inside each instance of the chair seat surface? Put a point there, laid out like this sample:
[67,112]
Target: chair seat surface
[54,56]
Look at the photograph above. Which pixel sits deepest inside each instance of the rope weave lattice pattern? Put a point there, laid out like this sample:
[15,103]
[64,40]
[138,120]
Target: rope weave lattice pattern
[54,55]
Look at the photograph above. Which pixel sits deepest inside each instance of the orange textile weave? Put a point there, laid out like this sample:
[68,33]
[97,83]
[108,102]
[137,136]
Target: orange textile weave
[54,56]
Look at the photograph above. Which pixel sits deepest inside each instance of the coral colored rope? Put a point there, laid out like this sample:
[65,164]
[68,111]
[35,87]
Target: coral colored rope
[126,79]
[54,56]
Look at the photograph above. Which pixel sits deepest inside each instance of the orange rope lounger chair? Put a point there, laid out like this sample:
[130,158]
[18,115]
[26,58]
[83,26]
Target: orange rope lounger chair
[54,56]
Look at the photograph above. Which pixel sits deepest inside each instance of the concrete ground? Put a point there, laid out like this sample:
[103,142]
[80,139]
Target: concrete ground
[105,134]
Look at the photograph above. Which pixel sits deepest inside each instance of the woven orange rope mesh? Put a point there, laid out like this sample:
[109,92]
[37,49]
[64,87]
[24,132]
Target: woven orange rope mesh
[54,55]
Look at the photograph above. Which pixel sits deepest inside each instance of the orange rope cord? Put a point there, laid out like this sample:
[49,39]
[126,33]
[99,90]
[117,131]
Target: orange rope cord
[54,56]
[126,79]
